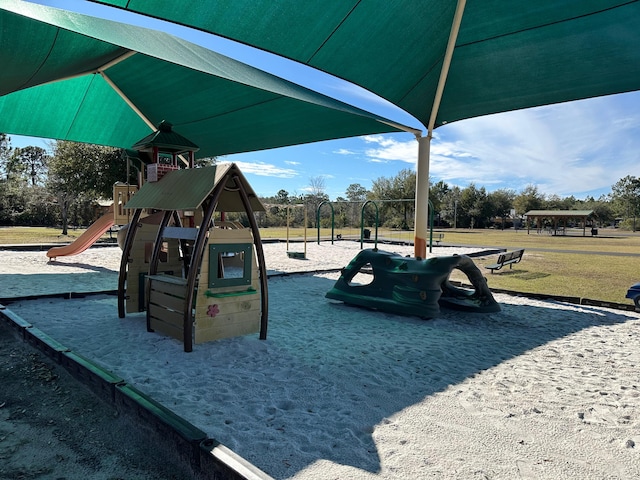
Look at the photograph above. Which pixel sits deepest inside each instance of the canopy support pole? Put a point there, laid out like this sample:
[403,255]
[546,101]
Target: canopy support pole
[424,144]
[422,197]
[133,107]
[127,101]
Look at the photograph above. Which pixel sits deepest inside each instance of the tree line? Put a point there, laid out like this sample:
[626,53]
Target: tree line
[65,187]
[451,206]
[58,188]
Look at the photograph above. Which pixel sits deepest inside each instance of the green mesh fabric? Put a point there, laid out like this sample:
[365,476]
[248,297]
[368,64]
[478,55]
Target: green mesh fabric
[49,87]
[510,54]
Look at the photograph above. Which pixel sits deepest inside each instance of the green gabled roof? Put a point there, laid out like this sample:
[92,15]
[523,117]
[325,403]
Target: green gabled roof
[166,139]
[188,189]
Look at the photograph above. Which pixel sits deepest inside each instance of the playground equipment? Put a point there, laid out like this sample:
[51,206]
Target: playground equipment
[88,238]
[333,219]
[362,229]
[412,286]
[196,283]
[197,279]
[291,254]
[116,215]
[122,193]
[362,235]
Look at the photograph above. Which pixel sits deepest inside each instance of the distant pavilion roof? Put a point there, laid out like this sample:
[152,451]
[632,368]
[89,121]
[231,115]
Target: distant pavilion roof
[559,213]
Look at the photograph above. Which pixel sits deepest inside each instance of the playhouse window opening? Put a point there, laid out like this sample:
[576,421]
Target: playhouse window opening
[229,265]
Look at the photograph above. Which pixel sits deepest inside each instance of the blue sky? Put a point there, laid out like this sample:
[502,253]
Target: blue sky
[578,148]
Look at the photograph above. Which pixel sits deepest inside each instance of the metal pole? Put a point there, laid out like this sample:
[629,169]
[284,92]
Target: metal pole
[422,167]
[431,214]
[422,198]
[455,214]
[305,231]
[332,219]
[375,245]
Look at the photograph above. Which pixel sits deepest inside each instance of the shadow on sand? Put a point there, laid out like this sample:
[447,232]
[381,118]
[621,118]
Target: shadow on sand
[327,375]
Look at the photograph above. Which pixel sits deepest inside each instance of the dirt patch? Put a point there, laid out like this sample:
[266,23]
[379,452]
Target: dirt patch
[52,427]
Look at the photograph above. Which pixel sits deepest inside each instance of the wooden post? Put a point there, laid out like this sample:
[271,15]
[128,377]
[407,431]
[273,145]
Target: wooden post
[153,263]
[124,260]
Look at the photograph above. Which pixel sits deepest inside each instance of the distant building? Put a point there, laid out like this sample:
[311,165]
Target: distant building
[555,222]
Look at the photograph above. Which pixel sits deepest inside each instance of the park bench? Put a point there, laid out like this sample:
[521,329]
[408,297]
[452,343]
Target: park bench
[438,237]
[507,258]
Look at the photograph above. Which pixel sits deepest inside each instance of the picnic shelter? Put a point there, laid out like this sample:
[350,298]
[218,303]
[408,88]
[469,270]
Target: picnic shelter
[559,220]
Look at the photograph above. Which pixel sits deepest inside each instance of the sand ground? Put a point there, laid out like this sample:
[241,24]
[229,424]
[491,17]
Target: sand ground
[540,390]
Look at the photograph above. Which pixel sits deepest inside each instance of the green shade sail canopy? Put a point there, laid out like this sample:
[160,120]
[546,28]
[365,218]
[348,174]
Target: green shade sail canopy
[74,77]
[509,54]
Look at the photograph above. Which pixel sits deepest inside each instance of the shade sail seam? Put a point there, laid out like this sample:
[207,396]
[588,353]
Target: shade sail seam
[77,112]
[545,25]
[409,91]
[116,60]
[335,29]
[127,100]
[44,60]
[446,63]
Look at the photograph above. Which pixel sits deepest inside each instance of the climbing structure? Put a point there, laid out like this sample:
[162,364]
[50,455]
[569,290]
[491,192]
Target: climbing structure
[197,282]
[412,286]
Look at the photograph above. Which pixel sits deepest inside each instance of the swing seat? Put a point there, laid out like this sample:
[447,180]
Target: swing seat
[299,255]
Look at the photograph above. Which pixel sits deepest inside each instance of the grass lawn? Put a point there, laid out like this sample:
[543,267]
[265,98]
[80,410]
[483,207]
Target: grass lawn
[568,265]
[38,235]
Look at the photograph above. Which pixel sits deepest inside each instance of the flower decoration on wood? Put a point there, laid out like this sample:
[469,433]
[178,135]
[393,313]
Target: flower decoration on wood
[213,310]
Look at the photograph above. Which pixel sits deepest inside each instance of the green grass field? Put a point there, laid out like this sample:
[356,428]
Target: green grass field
[38,235]
[569,265]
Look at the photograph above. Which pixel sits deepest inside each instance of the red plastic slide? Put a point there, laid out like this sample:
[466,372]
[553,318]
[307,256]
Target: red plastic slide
[88,238]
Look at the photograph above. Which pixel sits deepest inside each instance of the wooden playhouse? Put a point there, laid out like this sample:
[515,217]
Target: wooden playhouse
[198,277]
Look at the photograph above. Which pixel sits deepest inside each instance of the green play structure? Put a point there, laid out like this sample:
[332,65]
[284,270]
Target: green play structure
[412,286]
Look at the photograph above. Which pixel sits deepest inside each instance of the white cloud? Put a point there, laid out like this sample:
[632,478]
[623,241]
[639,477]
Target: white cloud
[389,149]
[382,140]
[566,149]
[344,151]
[290,162]
[266,169]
